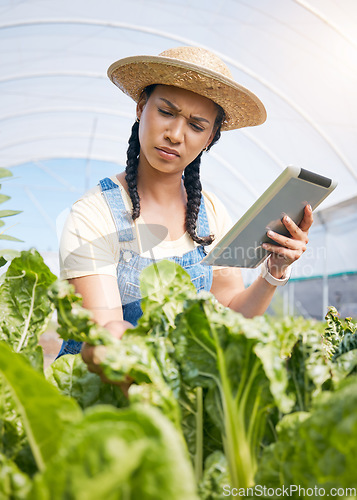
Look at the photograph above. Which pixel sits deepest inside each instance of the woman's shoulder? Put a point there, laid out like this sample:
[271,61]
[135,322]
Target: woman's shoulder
[94,198]
[218,216]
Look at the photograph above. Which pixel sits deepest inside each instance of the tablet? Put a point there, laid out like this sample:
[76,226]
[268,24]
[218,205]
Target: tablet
[288,195]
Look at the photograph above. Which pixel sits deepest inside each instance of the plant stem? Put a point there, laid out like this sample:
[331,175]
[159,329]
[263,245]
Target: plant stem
[199,435]
[28,319]
[235,442]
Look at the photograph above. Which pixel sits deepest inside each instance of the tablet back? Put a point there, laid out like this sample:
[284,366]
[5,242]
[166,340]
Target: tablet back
[288,195]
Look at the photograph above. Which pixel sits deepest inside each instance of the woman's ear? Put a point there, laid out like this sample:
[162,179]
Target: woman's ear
[140,105]
[211,137]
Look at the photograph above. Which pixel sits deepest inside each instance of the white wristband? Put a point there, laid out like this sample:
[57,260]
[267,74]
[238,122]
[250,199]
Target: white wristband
[270,279]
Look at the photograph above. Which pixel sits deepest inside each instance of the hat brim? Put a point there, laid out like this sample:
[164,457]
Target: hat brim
[242,108]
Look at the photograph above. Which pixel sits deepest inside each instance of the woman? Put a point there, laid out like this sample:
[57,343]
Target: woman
[185,97]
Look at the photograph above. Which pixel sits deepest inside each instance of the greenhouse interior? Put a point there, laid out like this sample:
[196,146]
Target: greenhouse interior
[64,123]
[65,126]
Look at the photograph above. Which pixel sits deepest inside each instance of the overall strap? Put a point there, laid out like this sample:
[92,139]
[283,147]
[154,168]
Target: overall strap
[202,220]
[121,216]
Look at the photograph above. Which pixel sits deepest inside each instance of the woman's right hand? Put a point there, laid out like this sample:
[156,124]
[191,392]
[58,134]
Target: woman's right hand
[94,355]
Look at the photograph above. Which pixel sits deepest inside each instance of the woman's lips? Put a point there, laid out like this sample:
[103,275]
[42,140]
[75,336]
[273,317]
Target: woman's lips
[167,153]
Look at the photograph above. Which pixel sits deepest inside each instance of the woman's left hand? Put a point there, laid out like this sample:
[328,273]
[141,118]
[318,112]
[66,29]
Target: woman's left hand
[289,249]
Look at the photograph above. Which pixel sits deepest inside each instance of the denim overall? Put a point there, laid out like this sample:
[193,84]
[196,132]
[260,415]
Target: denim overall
[131,263]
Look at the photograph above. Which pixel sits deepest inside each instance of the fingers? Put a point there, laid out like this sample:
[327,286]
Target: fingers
[290,248]
[288,256]
[93,356]
[308,219]
[117,328]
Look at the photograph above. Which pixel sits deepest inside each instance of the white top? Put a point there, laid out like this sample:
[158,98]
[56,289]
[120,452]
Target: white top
[89,243]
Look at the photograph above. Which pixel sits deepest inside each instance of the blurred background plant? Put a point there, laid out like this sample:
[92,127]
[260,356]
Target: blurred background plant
[6,253]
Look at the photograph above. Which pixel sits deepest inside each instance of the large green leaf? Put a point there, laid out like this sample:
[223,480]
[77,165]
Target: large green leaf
[134,357]
[25,306]
[318,448]
[70,375]
[13,439]
[164,288]
[45,413]
[132,454]
[12,433]
[239,361]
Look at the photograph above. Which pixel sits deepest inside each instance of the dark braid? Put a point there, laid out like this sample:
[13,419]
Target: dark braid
[194,187]
[132,162]
[131,169]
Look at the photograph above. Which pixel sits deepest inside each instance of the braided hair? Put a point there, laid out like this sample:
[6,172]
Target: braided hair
[191,179]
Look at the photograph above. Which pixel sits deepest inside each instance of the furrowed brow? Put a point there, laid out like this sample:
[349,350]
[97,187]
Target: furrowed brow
[199,119]
[170,104]
[176,108]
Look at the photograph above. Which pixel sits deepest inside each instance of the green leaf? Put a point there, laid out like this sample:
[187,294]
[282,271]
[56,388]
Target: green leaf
[214,353]
[13,440]
[215,477]
[4,172]
[12,432]
[317,448]
[8,213]
[134,453]
[134,357]
[344,365]
[14,484]
[240,362]
[44,412]
[9,253]
[25,305]
[74,321]
[71,377]
[164,288]
[9,238]
[4,197]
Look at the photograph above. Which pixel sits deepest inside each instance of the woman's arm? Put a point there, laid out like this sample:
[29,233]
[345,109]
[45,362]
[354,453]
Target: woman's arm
[228,285]
[101,296]
[228,288]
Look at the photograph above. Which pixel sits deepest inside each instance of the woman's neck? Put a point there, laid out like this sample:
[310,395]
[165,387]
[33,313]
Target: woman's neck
[162,188]
[157,188]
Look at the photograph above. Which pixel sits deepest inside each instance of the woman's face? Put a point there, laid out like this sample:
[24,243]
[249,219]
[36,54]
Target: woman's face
[175,126]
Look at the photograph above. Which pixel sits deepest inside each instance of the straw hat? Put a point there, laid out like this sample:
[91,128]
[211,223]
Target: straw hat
[194,69]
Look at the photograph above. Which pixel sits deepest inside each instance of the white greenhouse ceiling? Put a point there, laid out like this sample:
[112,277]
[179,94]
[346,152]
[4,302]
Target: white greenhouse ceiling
[64,125]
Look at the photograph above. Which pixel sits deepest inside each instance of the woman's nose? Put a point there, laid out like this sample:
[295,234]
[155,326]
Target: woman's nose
[175,132]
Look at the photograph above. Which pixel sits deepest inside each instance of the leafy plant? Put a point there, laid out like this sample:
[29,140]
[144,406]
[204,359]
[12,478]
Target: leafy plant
[50,447]
[25,306]
[6,254]
[215,399]
[316,448]
[229,375]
